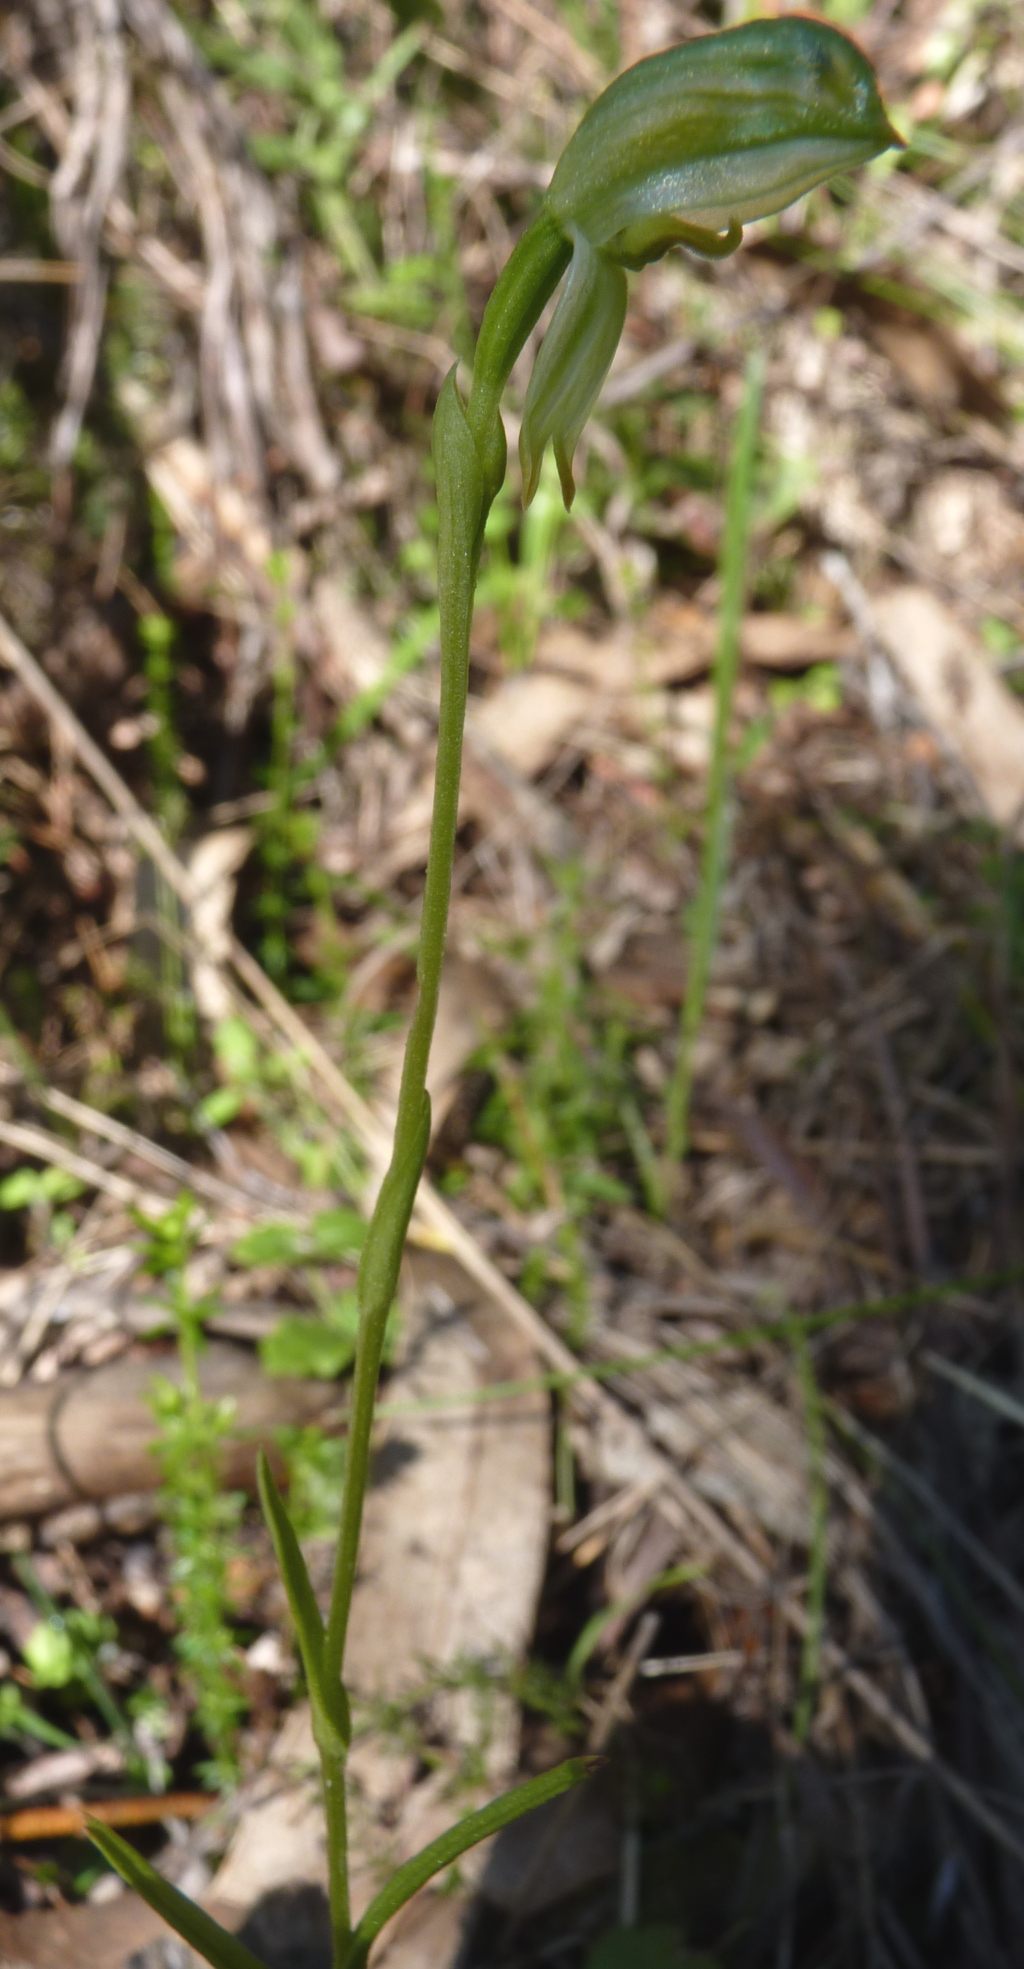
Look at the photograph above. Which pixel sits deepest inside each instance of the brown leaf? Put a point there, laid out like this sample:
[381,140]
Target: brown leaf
[959,692]
[529,718]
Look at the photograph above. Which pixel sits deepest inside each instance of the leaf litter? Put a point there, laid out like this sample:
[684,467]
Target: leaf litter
[236,445]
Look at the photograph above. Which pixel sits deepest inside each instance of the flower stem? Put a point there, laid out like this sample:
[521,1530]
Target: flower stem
[469,457]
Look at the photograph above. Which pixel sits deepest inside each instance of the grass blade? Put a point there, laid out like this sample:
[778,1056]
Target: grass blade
[717,824]
[591,1633]
[192,1923]
[994,1398]
[469,1832]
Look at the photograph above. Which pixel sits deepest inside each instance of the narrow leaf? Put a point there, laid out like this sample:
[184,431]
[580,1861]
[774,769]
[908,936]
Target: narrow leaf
[192,1923]
[301,1599]
[469,1832]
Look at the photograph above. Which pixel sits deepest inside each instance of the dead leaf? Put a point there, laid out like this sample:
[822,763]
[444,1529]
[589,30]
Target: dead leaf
[606,663]
[88,1937]
[788,642]
[924,365]
[426,1935]
[338,351]
[206,514]
[555,1851]
[64,1770]
[675,644]
[353,650]
[960,694]
[528,719]
[676,641]
[213,865]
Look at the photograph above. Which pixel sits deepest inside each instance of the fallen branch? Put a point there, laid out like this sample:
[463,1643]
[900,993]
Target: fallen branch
[88,1436]
[68,1821]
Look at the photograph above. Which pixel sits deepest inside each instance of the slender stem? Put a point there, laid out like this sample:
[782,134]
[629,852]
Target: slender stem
[469,450]
[469,453]
[718,822]
[332,1768]
[378,1274]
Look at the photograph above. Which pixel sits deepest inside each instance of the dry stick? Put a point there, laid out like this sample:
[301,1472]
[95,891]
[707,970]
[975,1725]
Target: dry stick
[614,1705]
[40,273]
[68,1821]
[835,1661]
[92,1120]
[60,1155]
[24,1343]
[80,191]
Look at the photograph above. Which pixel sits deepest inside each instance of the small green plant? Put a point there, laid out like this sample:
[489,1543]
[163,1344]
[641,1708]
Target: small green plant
[275,1086]
[287,832]
[724,129]
[589,1638]
[287,49]
[15,425]
[41,1192]
[18,1719]
[659,1947]
[157,635]
[71,1646]
[298,1345]
[201,1517]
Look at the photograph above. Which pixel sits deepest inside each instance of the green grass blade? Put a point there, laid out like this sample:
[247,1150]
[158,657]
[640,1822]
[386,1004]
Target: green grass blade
[718,813]
[192,1923]
[451,1845]
[994,1398]
[591,1633]
[737,1340]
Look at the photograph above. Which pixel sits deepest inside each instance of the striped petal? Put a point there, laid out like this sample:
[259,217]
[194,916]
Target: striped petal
[574,359]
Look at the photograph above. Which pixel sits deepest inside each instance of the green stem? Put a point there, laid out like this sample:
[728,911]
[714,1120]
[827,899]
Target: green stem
[332,1770]
[469,454]
[707,907]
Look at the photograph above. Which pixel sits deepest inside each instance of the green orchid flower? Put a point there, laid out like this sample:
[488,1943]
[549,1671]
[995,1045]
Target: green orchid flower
[684,149]
[681,150]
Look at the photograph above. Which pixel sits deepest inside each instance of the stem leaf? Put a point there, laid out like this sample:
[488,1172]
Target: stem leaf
[192,1923]
[302,1602]
[451,1845]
